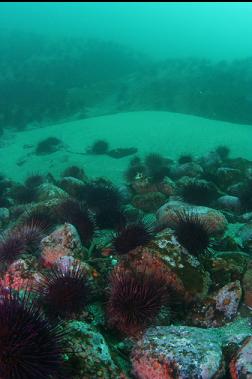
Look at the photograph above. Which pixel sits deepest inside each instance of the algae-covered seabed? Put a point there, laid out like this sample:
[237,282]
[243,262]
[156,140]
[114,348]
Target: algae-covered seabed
[170,134]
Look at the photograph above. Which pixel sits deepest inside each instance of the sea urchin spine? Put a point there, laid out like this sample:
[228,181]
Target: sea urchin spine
[135,299]
[63,292]
[132,236]
[191,231]
[30,346]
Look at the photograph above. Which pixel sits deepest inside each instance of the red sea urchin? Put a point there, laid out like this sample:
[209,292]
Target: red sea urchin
[30,346]
[135,299]
[132,236]
[64,292]
[191,231]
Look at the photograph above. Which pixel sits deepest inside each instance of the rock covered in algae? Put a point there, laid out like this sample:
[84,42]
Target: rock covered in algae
[241,365]
[227,176]
[247,285]
[61,242]
[215,219]
[167,352]
[228,266]
[19,275]
[229,203]
[187,268]
[219,308]
[149,202]
[48,191]
[228,298]
[91,358]
[190,169]
[167,186]
[244,234]
[71,185]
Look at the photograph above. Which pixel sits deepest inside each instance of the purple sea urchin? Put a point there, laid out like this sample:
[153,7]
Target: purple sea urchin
[34,180]
[76,213]
[113,219]
[99,147]
[101,195]
[185,158]
[223,151]
[42,216]
[12,246]
[64,292]
[154,160]
[199,192]
[132,236]
[30,346]
[192,232]
[22,239]
[31,233]
[23,194]
[48,146]
[157,167]
[75,172]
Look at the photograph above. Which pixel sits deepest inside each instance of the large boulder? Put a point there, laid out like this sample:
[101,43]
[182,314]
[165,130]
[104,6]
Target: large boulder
[168,352]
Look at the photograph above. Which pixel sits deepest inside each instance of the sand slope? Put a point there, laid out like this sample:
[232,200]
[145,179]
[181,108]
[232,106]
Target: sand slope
[167,133]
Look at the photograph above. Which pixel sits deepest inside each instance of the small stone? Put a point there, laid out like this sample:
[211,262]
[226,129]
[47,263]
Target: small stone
[167,187]
[91,352]
[235,189]
[142,185]
[247,285]
[210,161]
[71,185]
[190,169]
[228,298]
[48,191]
[19,276]
[244,234]
[149,202]
[227,176]
[229,203]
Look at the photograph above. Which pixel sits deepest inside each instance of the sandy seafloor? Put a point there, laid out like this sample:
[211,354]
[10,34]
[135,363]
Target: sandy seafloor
[169,134]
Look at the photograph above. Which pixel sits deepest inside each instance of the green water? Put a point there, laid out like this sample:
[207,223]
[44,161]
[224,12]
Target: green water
[117,117]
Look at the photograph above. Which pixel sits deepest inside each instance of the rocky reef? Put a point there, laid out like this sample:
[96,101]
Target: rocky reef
[149,280]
